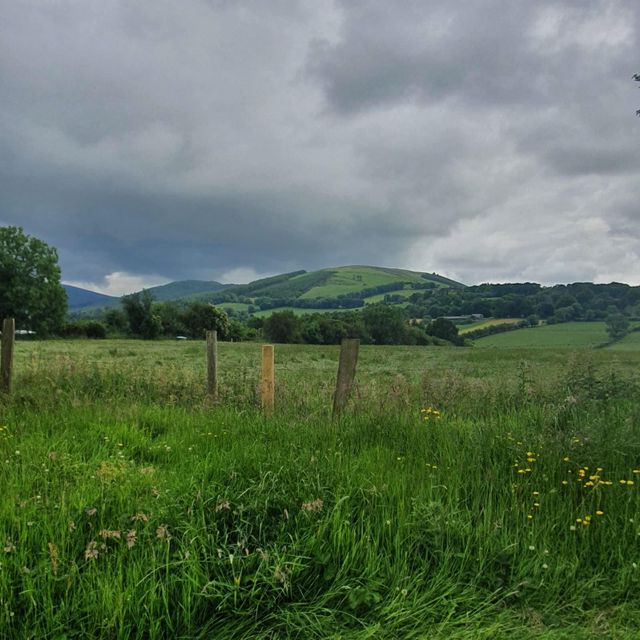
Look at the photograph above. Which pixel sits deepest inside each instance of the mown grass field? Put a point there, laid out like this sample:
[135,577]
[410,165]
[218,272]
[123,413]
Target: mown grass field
[135,508]
[565,335]
[465,328]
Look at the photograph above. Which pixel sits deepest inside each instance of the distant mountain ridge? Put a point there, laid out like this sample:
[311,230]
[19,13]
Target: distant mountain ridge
[305,286]
[79,298]
[182,289]
[83,299]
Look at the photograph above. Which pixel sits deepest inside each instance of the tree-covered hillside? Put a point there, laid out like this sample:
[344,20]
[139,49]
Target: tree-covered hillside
[349,287]
[558,303]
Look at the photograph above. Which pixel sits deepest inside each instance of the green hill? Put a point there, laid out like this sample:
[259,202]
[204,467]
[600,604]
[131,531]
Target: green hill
[326,289]
[339,281]
[79,298]
[88,303]
[185,289]
[345,280]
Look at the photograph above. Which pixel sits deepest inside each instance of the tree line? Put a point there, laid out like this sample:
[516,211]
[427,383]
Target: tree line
[142,317]
[376,324]
[558,303]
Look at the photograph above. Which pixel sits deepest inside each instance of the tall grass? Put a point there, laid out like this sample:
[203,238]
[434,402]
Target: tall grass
[133,509]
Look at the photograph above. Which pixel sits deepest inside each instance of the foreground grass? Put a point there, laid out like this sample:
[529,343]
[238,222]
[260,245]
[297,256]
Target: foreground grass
[132,509]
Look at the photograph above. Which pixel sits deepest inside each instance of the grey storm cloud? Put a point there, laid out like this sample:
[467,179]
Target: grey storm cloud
[490,140]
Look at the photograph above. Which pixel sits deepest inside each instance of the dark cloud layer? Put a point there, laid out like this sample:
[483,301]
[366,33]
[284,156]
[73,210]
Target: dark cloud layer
[486,141]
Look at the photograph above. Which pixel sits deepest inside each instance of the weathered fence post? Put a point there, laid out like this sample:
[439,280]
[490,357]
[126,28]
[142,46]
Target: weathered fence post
[268,377]
[346,374]
[6,354]
[212,364]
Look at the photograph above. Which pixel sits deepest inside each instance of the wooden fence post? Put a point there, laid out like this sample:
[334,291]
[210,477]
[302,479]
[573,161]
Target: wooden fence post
[6,354]
[268,377]
[346,374]
[212,364]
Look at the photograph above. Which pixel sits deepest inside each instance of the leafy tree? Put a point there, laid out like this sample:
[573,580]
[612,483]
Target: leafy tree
[445,329]
[95,329]
[170,314]
[617,326]
[116,320]
[417,336]
[282,327]
[200,317]
[323,329]
[385,324]
[84,329]
[239,331]
[142,320]
[544,309]
[30,289]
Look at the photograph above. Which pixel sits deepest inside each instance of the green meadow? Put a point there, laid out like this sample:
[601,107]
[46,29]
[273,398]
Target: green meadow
[631,342]
[403,293]
[355,278]
[299,311]
[465,493]
[564,335]
[481,324]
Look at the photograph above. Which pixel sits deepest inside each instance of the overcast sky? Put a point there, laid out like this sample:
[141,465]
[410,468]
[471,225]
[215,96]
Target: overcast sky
[486,140]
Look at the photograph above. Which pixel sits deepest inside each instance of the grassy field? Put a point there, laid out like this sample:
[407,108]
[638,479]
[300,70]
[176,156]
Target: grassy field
[466,493]
[403,293]
[464,328]
[565,335]
[631,342]
[354,279]
[299,311]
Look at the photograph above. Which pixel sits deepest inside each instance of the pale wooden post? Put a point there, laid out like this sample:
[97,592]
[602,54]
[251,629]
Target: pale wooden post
[212,364]
[346,374]
[268,377]
[6,354]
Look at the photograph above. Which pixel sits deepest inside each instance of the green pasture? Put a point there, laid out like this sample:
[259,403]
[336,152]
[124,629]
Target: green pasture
[354,279]
[481,324]
[466,493]
[299,311]
[631,342]
[565,335]
[404,293]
